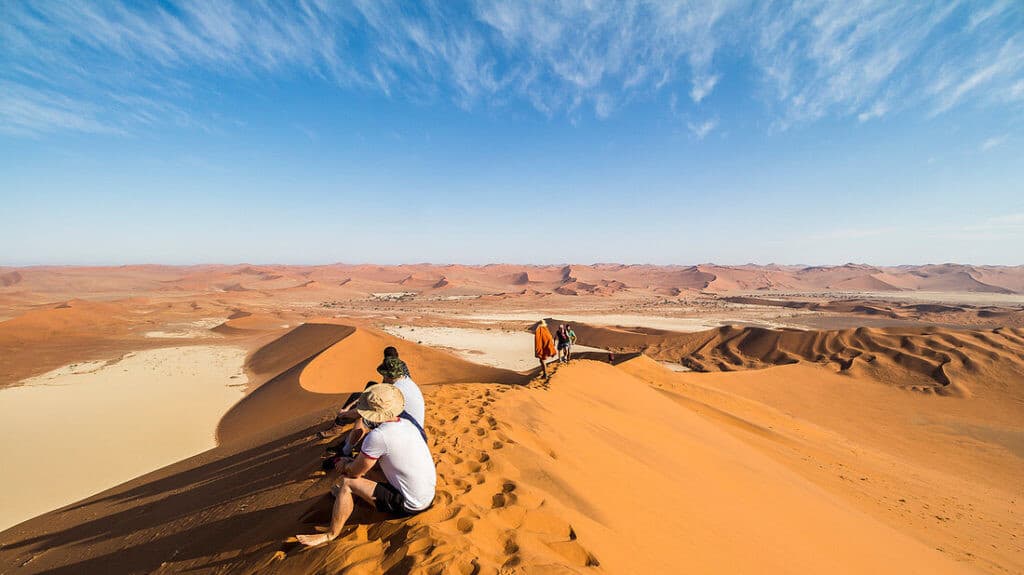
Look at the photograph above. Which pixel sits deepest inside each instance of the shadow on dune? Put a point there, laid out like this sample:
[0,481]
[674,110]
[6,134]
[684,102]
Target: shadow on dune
[154,518]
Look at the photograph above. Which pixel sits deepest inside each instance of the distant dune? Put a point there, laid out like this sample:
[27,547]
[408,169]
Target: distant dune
[572,280]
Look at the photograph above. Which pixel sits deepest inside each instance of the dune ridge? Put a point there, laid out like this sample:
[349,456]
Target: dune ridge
[933,360]
[314,367]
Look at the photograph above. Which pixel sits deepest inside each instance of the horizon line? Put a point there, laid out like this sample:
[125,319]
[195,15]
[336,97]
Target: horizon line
[490,264]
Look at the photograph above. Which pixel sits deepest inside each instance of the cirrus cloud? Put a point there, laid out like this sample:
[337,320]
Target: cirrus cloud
[867,60]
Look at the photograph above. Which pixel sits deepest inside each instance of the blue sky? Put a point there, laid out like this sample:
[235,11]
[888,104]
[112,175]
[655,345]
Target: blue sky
[650,132]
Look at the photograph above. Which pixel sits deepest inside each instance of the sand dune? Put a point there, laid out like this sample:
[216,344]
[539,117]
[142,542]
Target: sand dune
[593,472]
[314,367]
[948,362]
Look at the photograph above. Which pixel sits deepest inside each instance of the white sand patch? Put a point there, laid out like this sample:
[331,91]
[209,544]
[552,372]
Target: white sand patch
[683,324]
[394,296]
[190,330]
[675,366]
[506,349]
[59,375]
[951,298]
[78,430]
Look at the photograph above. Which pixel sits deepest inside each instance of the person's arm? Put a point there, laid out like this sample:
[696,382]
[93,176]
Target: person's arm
[347,414]
[358,467]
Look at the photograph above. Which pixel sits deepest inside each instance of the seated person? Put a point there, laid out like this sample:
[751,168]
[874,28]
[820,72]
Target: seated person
[392,352]
[395,372]
[404,457]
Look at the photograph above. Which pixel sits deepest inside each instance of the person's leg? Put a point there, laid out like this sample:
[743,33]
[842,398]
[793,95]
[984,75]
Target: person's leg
[543,368]
[343,505]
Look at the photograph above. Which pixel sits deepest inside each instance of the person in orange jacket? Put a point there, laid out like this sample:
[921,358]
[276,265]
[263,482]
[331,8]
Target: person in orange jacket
[543,345]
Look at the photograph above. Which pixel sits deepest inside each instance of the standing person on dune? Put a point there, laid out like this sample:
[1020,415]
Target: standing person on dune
[543,346]
[562,336]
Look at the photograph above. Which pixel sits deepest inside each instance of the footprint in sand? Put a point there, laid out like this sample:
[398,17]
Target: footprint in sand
[501,500]
[511,549]
[464,524]
[450,513]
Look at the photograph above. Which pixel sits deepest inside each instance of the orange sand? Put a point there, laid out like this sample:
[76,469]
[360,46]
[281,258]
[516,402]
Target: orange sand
[894,448]
[620,469]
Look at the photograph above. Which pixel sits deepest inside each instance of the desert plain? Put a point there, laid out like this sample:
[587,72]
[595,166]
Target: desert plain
[716,419]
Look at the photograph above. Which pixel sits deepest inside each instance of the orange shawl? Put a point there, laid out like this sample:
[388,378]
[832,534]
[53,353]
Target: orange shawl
[543,343]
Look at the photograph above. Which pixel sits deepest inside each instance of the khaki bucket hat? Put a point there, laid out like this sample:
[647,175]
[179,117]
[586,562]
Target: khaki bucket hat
[380,402]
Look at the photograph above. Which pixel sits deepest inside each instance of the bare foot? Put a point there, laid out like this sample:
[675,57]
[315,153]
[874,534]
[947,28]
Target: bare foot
[314,539]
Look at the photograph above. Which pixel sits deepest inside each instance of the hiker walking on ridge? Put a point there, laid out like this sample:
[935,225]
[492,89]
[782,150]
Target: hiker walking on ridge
[404,457]
[543,346]
[572,341]
[564,343]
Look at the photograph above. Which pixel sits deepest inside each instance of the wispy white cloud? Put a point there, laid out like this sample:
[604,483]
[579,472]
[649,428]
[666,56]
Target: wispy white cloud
[991,71]
[701,129]
[816,58]
[877,110]
[702,87]
[993,142]
[25,111]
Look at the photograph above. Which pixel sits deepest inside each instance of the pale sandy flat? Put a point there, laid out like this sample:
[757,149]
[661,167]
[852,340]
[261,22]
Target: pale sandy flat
[188,330]
[81,429]
[683,324]
[505,349]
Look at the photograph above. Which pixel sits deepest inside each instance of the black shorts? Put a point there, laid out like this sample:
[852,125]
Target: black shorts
[391,501]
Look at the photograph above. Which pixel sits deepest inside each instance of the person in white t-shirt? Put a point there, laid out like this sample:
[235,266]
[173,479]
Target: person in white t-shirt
[394,443]
[394,371]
